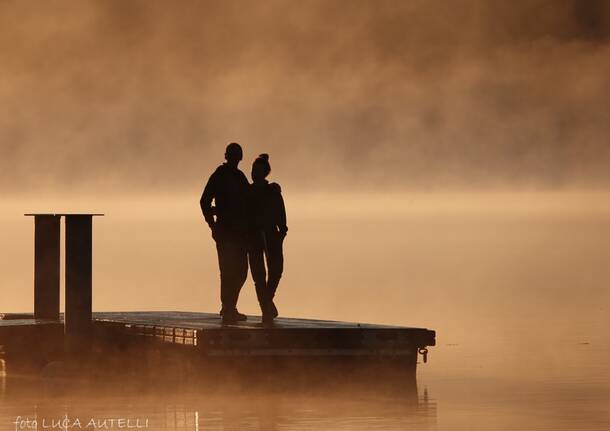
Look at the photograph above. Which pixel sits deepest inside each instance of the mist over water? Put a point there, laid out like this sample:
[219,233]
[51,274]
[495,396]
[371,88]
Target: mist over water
[142,95]
[514,283]
[444,165]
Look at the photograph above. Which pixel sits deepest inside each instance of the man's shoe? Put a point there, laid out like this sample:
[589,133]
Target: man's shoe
[233,316]
[227,320]
[234,311]
[240,316]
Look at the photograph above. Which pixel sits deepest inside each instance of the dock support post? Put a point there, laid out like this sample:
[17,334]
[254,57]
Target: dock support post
[78,274]
[46,266]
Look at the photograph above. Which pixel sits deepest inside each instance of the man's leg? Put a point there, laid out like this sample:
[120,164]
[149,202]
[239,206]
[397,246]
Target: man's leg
[233,262]
[225,265]
[241,268]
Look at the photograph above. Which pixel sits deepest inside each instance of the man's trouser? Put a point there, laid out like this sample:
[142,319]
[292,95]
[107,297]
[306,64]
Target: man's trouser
[233,264]
[266,245]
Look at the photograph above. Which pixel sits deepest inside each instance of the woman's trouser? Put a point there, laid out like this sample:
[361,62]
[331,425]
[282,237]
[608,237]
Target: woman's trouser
[266,246]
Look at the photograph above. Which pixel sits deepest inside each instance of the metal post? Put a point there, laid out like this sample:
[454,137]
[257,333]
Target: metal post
[78,274]
[46,266]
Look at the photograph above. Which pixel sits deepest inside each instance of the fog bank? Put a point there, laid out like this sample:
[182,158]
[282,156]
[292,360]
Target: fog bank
[145,95]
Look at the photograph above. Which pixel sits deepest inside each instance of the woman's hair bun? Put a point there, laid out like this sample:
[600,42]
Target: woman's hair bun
[263,160]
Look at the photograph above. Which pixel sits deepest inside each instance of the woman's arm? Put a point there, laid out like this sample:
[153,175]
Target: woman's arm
[279,209]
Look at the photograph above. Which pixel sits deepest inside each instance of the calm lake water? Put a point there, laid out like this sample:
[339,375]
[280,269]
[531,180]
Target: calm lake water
[517,286]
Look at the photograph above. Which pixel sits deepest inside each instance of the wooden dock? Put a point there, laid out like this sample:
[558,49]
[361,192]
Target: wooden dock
[201,338]
[181,343]
[286,337]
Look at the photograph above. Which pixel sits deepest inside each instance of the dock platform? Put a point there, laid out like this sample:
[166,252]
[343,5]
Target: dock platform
[204,339]
[286,337]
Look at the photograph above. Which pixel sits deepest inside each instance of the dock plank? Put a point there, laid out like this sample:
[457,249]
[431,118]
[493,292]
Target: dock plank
[287,335]
[204,336]
[195,320]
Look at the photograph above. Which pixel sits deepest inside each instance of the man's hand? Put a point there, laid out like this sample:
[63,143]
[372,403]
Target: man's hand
[214,230]
[283,231]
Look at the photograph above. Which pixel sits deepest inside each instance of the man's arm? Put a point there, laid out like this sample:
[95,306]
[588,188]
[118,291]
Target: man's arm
[209,192]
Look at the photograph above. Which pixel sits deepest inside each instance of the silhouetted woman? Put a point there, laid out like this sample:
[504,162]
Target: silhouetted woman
[268,228]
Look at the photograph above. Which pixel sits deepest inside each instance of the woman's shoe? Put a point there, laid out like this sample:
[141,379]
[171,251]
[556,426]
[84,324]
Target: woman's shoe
[267,318]
[273,309]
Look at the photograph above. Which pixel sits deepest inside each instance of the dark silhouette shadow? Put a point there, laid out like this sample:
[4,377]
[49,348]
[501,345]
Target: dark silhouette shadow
[227,187]
[268,230]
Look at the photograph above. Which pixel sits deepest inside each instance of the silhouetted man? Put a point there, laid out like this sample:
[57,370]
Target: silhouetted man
[228,187]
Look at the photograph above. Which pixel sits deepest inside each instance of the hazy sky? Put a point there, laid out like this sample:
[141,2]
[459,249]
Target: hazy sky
[146,94]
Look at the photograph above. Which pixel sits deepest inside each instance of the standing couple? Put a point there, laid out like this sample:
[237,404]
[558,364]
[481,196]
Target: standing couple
[248,223]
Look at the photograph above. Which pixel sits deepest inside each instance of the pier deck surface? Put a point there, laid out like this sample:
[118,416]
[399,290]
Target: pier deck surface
[287,336]
[194,320]
[207,321]
[206,332]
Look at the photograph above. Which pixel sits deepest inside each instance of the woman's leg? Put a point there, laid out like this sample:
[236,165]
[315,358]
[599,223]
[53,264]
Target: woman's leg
[275,262]
[257,268]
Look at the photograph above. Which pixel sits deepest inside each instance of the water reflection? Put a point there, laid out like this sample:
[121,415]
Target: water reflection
[2,378]
[196,408]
